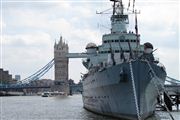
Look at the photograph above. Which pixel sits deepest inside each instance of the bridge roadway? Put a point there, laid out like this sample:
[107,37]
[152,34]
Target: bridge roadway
[19,87]
[5,88]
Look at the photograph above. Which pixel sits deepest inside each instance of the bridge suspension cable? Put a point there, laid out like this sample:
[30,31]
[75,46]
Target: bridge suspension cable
[172,80]
[38,74]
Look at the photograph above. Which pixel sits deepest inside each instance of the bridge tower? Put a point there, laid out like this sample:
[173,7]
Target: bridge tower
[61,66]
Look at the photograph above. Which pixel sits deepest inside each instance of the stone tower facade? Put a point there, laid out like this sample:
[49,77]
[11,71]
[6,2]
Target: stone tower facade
[61,66]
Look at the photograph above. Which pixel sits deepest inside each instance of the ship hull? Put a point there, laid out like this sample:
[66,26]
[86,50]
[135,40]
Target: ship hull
[110,91]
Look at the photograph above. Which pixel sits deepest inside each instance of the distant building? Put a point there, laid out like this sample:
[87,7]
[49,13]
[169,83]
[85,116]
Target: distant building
[13,81]
[5,77]
[17,77]
[61,66]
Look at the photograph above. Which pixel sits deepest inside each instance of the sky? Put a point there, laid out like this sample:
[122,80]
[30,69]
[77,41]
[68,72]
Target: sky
[29,29]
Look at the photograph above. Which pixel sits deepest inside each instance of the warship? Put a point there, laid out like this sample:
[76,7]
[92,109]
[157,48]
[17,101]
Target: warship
[124,78]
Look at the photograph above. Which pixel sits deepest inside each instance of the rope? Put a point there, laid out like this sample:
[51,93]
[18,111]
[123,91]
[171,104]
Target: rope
[134,91]
[156,86]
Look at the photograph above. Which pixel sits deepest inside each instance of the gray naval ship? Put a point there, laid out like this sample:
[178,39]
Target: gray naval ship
[123,79]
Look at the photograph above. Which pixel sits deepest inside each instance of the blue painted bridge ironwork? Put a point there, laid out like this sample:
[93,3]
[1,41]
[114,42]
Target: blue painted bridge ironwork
[26,83]
[19,87]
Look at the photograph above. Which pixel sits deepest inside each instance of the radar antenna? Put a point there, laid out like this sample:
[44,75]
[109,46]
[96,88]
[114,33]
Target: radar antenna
[120,6]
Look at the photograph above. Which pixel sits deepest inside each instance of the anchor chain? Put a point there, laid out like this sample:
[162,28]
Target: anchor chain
[156,86]
[134,91]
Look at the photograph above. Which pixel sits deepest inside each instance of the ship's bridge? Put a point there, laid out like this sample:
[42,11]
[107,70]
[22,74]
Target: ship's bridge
[119,41]
[119,23]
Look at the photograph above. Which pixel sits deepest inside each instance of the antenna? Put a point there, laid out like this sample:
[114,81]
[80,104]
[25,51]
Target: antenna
[114,5]
[129,4]
[133,4]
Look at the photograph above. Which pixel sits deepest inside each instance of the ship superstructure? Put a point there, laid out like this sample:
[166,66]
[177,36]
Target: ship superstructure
[120,43]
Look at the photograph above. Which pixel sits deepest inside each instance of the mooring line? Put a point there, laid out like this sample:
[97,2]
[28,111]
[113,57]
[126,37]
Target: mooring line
[134,91]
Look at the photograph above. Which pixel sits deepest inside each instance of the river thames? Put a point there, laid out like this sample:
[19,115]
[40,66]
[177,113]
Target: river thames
[55,108]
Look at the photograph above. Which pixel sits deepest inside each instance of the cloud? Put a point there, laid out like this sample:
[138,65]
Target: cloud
[159,24]
[30,30]
[26,18]
[169,57]
[31,34]
[2,24]
[26,53]
[28,39]
[159,16]
[38,18]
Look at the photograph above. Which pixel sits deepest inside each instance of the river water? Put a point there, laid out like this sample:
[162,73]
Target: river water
[54,108]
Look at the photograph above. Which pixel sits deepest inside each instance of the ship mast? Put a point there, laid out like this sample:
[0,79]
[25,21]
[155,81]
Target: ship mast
[114,6]
[118,19]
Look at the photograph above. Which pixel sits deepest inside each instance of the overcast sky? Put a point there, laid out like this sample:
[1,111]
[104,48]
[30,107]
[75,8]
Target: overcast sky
[30,28]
